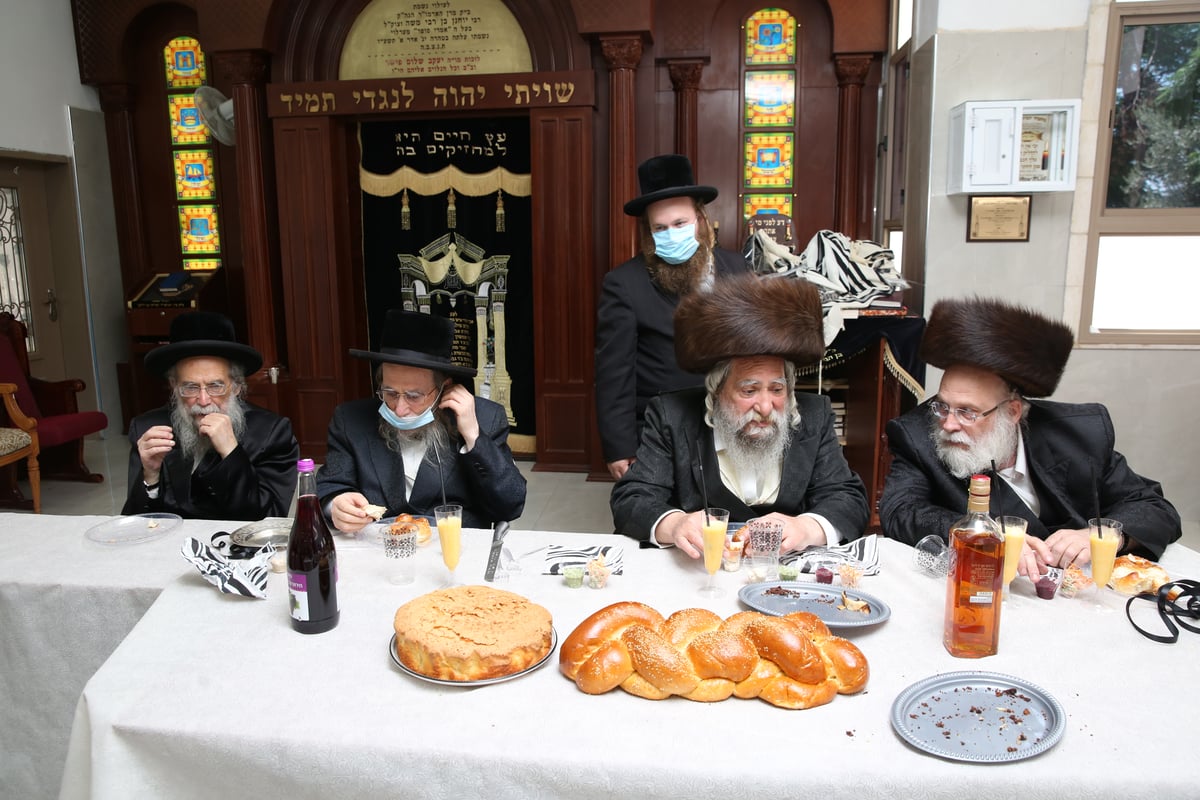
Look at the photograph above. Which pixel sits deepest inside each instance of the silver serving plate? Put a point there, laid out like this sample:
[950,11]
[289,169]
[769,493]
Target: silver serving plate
[481,682]
[820,599]
[979,717]
[272,530]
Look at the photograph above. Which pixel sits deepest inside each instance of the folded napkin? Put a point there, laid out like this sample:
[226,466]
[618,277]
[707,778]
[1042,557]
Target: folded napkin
[559,556]
[862,553]
[246,577]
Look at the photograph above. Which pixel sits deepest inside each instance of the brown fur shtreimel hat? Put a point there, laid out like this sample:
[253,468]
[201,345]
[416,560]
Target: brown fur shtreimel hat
[749,316]
[1025,348]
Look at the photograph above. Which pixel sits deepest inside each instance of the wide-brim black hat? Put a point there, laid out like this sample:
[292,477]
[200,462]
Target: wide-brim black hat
[202,333]
[663,177]
[417,340]
[1025,348]
[747,316]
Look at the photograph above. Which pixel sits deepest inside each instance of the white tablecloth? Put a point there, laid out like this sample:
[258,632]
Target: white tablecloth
[216,696]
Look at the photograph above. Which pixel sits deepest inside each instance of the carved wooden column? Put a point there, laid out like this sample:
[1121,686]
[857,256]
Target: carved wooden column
[685,80]
[117,101]
[851,74]
[247,71]
[622,53]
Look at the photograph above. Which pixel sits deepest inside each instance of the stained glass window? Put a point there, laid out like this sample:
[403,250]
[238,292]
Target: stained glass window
[771,37]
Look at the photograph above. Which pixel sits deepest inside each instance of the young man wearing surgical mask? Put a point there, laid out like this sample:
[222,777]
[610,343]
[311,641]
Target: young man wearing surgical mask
[635,340]
[422,440]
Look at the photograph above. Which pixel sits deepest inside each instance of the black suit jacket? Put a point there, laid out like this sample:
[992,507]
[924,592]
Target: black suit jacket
[1069,450]
[256,480]
[635,350]
[485,481]
[815,476]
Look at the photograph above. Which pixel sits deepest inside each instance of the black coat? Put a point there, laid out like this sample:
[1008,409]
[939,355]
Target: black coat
[1065,446]
[815,476]
[256,480]
[485,481]
[635,350]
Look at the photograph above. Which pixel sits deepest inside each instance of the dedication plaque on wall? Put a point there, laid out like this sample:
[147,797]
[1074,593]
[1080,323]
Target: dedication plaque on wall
[399,39]
[998,219]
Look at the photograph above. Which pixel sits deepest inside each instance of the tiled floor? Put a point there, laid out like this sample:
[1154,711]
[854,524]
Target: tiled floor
[555,501]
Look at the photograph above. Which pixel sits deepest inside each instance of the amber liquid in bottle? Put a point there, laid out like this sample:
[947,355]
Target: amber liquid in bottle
[975,584]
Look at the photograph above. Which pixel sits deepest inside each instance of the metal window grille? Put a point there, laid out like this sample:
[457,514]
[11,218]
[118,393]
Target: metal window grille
[14,275]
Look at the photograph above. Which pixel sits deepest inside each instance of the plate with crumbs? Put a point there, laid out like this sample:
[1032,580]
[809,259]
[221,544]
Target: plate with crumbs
[134,529]
[778,598]
[483,681]
[272,530]
[978,717]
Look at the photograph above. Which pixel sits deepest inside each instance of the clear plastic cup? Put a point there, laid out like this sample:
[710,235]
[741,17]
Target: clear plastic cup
[932,557]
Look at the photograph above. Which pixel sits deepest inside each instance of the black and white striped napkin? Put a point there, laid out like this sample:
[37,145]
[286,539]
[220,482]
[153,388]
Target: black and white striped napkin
[246,577]
[862,553]
[559,556]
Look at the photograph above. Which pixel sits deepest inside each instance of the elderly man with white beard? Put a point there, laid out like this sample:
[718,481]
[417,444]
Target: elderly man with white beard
[746,441]
[1054,463]
[208,453]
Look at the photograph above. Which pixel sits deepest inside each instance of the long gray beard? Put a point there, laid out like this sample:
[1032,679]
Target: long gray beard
[434,436]
[747,452]
[185,421]
[997,445]
[682,278]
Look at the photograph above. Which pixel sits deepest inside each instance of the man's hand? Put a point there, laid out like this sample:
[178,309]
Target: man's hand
[462,403]
[349,512]
[152,447]
[620,467]
[685,531]
[1035,555]
[219,430]
[798,532]
[1069,546]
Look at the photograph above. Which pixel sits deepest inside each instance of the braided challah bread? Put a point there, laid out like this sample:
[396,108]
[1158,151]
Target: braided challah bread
[791,662]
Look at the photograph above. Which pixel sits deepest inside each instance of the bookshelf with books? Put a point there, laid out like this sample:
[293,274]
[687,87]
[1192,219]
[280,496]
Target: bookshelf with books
[866,390]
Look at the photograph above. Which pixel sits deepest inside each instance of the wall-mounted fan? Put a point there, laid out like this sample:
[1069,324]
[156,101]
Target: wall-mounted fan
[217,112]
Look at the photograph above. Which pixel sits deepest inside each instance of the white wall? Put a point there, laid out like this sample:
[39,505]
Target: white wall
[39,76]
[989,52]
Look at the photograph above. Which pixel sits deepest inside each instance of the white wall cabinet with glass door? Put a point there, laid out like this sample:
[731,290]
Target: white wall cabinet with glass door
[999,146]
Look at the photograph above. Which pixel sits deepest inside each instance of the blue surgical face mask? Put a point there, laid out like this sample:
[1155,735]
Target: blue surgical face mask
[410,423]
[676,245]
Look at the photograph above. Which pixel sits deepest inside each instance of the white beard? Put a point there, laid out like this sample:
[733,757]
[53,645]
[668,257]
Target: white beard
[747,451]
[185,421]
[998,446]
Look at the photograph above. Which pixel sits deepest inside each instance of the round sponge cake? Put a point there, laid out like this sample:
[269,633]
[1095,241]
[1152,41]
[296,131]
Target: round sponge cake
[470,633]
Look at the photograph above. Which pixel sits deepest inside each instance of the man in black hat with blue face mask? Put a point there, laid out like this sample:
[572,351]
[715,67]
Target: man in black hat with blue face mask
[208,453]
[425,441]
[635,350]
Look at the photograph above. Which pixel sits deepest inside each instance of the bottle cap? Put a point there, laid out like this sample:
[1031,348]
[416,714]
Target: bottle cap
[981,484]
[305,465]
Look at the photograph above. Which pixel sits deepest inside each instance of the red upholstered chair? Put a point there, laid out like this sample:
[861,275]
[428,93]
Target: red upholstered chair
[61,426]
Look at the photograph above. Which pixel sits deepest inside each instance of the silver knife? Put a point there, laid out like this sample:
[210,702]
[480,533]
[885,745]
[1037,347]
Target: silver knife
[494,556]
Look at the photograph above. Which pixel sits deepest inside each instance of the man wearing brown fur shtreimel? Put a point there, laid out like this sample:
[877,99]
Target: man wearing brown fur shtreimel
[1054,462]
[747,441]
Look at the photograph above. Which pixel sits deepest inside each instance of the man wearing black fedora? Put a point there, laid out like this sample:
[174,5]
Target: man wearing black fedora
[208,453]
[635,357]
[424,442]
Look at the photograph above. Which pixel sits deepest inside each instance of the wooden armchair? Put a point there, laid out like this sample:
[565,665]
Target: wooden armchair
[61,426]
[20,442]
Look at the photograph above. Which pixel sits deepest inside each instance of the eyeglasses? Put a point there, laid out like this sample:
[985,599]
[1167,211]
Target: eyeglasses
[214,389]
[966,416]
[411,398]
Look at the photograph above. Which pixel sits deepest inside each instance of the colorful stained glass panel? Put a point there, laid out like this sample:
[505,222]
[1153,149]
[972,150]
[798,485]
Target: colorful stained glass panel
[194,175]
[201,264]
[198,230]
[771,37]
[184,63]
[768,162]
[186,125]
[770,99]
[766,204]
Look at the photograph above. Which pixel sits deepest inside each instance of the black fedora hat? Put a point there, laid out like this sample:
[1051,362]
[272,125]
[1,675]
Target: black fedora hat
[202,333]
[662,177]
[417,340]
